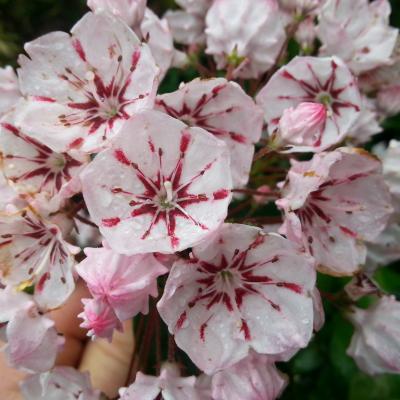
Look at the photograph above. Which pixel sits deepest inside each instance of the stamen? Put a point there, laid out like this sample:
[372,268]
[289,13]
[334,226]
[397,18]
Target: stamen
[168,190]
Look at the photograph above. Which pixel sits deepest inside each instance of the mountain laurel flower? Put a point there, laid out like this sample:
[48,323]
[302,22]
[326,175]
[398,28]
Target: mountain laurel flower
[168,385]
[81,88]
[64,383]
[188,24]
[36,170]
[9,89]
[32,342]
[302,126]
[242,289]
[123,282]
[33,252]
[332,203]
[363,26]
[99,319]
[255,377]
[375,345]
[159,192]
[236,35]
[223,109]
[324,81]
[130,11]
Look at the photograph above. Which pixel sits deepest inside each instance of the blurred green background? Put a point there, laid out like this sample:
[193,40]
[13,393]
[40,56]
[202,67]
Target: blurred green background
[323,371]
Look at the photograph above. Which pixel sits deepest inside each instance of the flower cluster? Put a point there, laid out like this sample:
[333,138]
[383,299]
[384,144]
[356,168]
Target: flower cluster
[157,201]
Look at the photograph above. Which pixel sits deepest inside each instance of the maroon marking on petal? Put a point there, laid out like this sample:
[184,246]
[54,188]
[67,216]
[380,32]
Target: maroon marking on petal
[348,231]
[181,320]
[44,98]
[227,301]
[185,139]
[217,90]
[151,145]
[221,194]
[110,222]
[215,300]
[275,121]
[79,49]
[357,176]
[237,137]
[255,278]
[203,332]
[291,286]
[11,128]
[245,329]
[144,209]
[239,295]
[121,157]
[5,243]
[135,59]
[40,285]
[320,213]
[76,143]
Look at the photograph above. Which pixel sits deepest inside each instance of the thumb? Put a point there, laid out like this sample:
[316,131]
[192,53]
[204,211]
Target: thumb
[109,363]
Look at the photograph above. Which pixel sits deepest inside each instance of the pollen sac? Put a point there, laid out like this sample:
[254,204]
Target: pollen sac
[243,289]
[164,188]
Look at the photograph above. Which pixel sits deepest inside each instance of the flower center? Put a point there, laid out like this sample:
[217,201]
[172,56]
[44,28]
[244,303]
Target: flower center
[188,120]
[56,162]
[325,99]
[166,196]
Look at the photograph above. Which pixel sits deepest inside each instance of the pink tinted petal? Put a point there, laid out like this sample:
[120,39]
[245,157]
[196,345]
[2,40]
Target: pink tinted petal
[375,345]
[242,289]
[99,319]
[9,89]
[253,378]
[319,314]
[238,28]
[11,302]
[389,100]
[304,124]
[124,282]
[130,11]
[158,37]
[169,383]
[223,109]
[33,341]
[95,79]
[162,192]
[325,81]
[64,383]
[186,28]
[367,124]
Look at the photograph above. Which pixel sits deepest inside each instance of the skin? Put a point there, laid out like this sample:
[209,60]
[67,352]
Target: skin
[108,363]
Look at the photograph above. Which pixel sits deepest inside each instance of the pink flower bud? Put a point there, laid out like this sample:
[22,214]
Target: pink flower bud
[304,124]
